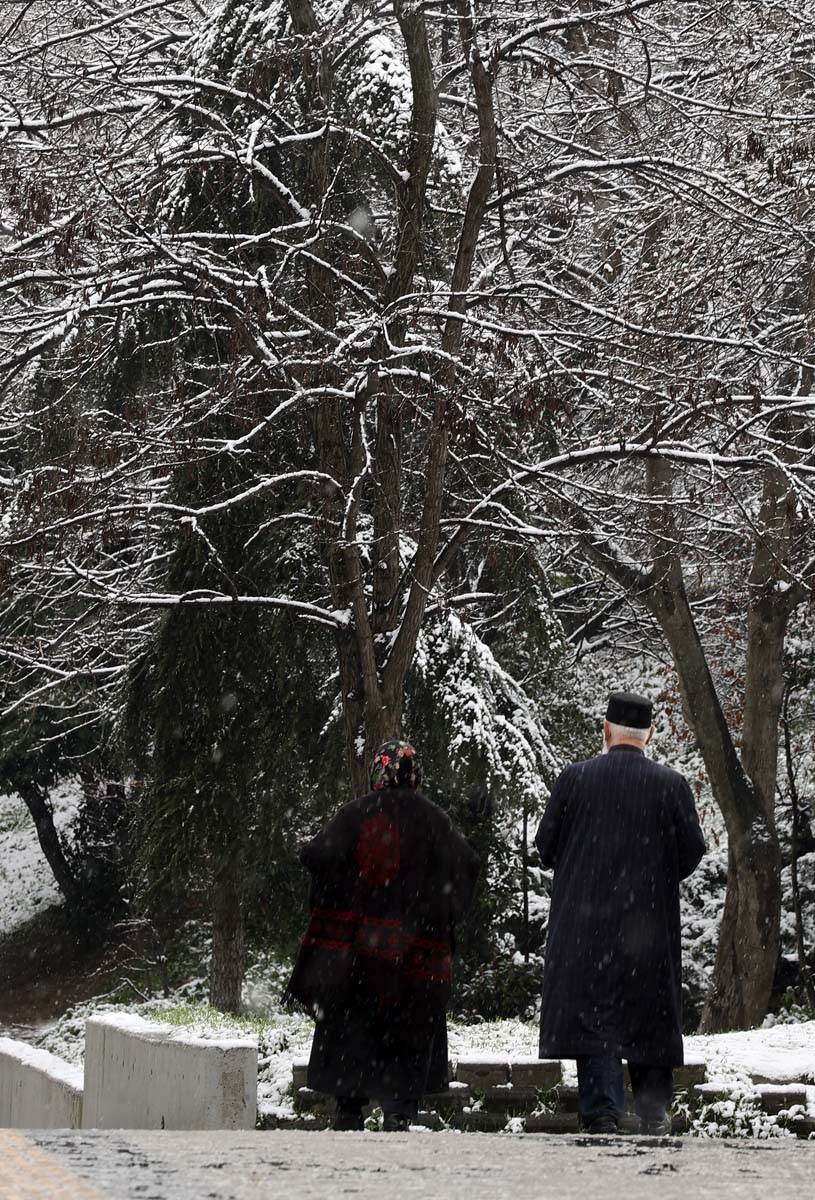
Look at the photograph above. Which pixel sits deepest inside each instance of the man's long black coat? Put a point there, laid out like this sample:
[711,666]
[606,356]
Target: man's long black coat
[391,878]
[620,831]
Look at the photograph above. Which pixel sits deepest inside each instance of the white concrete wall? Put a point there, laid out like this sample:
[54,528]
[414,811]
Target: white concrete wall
[142,1075]
[37,1089]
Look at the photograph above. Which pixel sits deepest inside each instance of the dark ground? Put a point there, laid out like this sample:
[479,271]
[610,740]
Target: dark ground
[45,968]
[99,1165]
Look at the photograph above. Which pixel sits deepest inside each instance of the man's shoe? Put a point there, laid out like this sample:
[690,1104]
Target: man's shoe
[348,1122]
[601,1125]
[395,1123]
[659,1128]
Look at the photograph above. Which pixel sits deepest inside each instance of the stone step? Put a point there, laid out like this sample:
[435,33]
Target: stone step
[457,1096]
[491,1115]
[777,1097]
[310,1103]
[479,1121]
[551,1122]
[803,1076]
[515,1087]
[484,1121]
[539,1073]
[299,1074]
[489,1109]
[306,1100]
[534,1073]
[500,1086]
[567,1122]
[305,1123]
[694,1071]
[482,1073]
[485,1072]
[564,1099]
[502,1099]
[803,1127]
[511,1098]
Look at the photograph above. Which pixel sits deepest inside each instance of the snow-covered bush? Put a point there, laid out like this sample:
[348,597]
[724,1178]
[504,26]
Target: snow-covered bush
[735,1114]
[491,757]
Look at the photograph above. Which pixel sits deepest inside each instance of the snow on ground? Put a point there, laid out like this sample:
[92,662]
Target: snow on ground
[782,1053]
[26,883]
[283,1038]
[779,1054]
[506,1039]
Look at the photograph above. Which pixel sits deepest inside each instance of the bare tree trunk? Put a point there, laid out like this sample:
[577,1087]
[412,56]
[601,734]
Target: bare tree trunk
[36,800]
[228,959]
[379,724]
[747,951]
[744,788]
[525,876]
[749,940]
[800,942]
[749,947]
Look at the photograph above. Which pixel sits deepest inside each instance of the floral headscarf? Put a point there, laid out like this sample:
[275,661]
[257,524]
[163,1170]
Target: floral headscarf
[395,765]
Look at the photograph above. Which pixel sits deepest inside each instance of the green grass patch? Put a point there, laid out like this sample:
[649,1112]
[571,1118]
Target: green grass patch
[212,1018]
[273,1031]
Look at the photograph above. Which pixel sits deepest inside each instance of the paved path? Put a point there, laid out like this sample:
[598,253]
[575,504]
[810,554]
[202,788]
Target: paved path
[101,1165]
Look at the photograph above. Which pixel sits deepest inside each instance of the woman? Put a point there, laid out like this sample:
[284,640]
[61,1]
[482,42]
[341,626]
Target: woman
[390,879]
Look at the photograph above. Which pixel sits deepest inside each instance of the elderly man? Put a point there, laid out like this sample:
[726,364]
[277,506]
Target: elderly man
[620,832]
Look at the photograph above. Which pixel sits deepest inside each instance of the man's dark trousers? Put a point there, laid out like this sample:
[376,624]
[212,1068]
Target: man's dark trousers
[601,1089]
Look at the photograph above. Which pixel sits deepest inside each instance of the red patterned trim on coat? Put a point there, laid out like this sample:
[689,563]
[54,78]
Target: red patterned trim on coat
[381,938]
[432,976]
[428,959]
[334,914]
[394,956]
[324,944]
[330,929]
[428,944]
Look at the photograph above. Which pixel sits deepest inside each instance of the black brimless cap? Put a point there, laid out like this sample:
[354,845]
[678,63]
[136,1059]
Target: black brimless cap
[627,708]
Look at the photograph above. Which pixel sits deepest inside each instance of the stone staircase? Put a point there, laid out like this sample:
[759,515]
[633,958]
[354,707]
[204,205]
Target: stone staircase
[529,1095]
[484,1095]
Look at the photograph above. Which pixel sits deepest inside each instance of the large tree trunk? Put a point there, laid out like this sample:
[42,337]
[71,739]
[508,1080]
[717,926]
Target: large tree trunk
[372,716]
[747,952]
[227,965]
[750,937]
[795,847]
[36,800]
[744,787]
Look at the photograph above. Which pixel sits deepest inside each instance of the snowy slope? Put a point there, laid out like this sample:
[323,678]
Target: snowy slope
[26,882]
[778,1053]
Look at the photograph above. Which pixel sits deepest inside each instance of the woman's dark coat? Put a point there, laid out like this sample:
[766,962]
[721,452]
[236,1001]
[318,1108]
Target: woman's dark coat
[620,832]
[391,877]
